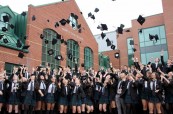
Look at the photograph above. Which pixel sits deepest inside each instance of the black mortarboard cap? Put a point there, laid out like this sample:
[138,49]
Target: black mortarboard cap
[1,36]
[151,37]
[54,41]
[98,27]
[134,49]
[23,13]
[141,20]
[113,47]
[103,35]
[25,37]
[6,18]
[108,42]
[120,30]
[72,14]
[56,24]
[26,47]
[73,25]
[131,42]
[41,36]
[128,30]
[4,29]
[93,17]
[76,17]
[122,26]
[96,10]
[19,44]
[68,21]
[5,40]
[46,41]
[11,26]
[79,26]
[63,22]
[117,55]
[62,40]
[82,65]
[104,27]
[33,18]
[50,52]
[58,36]
[156,37]
[140,30]
[65,42]
[58,57]
[89,14]
[21,55]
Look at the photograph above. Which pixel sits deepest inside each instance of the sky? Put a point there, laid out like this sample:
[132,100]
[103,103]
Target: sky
[112,13]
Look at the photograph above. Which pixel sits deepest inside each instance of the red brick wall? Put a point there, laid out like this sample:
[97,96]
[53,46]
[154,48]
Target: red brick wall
[168,20]
[54,12]
[115,62]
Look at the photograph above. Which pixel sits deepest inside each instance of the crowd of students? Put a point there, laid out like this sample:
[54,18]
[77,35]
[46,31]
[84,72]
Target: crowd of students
[139,89]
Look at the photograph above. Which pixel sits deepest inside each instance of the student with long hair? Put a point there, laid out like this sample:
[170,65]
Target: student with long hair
[50,95]
[155,94]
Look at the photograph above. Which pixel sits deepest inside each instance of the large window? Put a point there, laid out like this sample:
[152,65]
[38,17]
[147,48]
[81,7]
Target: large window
[2,20]
[73,50]
[150,48]
[50,35]
[104,61]
[130,51]
[9,68]
[88,58]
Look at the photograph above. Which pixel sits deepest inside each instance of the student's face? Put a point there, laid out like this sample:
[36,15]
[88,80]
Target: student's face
[32,78]
[53,79]
[42,77]
[153,76]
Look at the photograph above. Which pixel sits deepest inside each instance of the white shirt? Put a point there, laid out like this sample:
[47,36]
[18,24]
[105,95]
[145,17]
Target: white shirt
[51,86]
[42,85]
[14,87]
[29,86]
[2,85]
[151,85]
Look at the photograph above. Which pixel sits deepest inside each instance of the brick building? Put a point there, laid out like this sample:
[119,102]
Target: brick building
[47,20]
[159,24]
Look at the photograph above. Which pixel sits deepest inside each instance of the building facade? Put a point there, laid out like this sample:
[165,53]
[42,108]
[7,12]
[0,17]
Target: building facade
[146,49]
[46,30]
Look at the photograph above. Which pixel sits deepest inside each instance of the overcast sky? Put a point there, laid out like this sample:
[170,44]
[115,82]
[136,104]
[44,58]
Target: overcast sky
[112,13]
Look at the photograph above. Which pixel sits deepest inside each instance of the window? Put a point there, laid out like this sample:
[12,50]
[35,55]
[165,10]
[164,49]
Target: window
[130,51]
[149,48]
[73,48]
[73,22]
[104,61]
[88,57]
[2,23]
[49,35]
[9,68]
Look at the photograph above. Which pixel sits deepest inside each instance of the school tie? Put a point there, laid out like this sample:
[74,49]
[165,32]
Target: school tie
[14,87]
[66,91]
[52,90]
[1,86]
[154,86]
[32,86]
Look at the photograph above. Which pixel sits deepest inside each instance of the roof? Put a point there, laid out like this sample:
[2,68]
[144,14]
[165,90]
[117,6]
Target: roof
[12,40]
